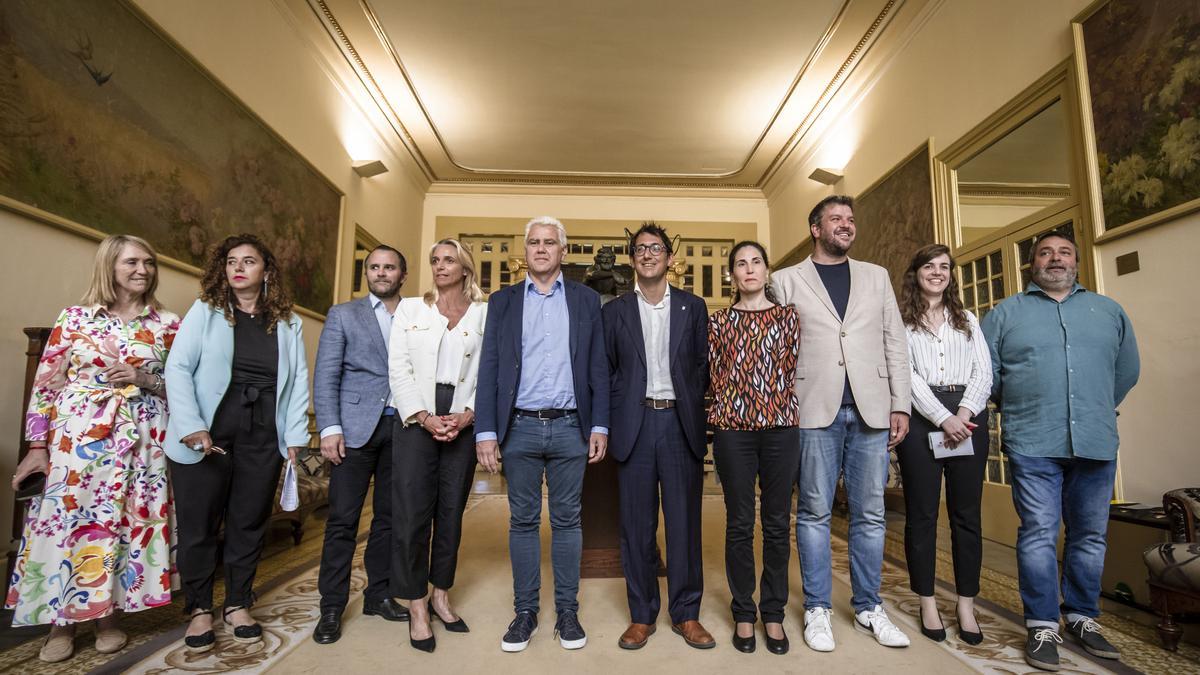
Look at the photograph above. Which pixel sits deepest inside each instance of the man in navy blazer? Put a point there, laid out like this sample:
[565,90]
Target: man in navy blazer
[542,403]
[657,343]
[352,398]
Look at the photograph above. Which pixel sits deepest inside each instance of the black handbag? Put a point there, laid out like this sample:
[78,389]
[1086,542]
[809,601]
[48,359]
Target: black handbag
[31,486]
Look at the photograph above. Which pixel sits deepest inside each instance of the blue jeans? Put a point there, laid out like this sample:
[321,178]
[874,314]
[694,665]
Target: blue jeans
[1076,492]
[557,448]
[849,447]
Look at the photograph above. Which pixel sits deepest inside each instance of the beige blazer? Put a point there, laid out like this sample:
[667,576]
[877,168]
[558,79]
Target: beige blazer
[417,330]
[870,345]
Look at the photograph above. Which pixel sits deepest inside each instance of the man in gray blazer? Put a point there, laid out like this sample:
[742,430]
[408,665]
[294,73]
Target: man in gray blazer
[852,384]
[354,413]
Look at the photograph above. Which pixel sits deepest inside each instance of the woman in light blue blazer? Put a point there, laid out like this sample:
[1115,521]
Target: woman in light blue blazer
[237,380]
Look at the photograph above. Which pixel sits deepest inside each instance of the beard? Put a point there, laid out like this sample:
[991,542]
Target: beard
[1055,280]
[384,290]
[834,246]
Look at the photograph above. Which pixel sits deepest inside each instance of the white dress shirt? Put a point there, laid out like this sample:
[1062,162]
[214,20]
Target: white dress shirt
[656,334]
[949,357]
[450,356]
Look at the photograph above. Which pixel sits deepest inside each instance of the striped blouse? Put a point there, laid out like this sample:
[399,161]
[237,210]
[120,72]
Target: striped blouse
[949,357]
[752,368]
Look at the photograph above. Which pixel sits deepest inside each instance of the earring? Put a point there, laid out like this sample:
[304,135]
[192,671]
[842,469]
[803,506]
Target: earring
[264,292]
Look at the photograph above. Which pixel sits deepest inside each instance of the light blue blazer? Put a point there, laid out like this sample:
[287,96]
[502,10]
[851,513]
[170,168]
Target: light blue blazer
[198,371]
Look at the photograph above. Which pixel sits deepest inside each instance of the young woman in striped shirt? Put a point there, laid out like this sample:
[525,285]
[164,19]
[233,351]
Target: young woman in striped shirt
[951,381]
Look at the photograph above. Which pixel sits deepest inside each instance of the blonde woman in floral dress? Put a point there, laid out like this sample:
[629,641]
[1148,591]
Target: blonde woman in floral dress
[97,541]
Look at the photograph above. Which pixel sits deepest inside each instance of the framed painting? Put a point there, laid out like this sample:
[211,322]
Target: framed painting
[107,126]
[1139,74]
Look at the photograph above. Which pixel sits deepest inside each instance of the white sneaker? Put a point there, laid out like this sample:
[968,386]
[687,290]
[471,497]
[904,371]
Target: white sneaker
[818,633]
[876,621]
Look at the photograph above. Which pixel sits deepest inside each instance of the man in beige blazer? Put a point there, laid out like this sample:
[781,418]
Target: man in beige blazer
[852,384]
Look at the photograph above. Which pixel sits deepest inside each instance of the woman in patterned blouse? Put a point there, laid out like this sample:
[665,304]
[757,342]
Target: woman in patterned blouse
[97,541]
[753,347]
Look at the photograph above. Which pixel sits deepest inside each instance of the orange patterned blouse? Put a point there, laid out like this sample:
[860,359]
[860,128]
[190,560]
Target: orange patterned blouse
[752,366]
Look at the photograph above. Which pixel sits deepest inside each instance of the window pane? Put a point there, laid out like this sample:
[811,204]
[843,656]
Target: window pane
[997,265]
[691,251]
[981,271]
[997,289]
[967,275]
[504,247]
[487,247]
[485,276]
[708,281]
[706,251]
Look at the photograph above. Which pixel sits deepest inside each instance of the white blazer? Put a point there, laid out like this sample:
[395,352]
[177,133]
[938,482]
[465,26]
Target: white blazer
[417,330]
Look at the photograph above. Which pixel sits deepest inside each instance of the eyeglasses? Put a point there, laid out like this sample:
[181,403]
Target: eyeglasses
[652,249]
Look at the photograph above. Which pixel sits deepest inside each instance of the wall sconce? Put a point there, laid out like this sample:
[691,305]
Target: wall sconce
[826,176]
[366,169]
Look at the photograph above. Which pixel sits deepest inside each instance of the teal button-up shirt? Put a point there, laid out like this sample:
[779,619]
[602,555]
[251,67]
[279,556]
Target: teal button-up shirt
[1060,369]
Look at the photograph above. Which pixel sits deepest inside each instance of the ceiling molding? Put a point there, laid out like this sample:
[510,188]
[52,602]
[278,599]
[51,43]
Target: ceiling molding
[360,37]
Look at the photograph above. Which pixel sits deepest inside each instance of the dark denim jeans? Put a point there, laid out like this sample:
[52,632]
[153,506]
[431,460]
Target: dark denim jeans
[1075,492]
[849,448]
[554,447]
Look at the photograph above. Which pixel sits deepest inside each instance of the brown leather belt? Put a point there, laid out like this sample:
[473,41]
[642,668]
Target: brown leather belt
[659,403]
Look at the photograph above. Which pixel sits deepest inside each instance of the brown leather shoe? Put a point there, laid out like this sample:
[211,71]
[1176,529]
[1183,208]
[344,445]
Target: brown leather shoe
[636,635]
[694,634]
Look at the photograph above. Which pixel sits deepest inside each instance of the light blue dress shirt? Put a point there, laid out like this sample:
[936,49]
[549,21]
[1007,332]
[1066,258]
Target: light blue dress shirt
[1060,369]
[547,379]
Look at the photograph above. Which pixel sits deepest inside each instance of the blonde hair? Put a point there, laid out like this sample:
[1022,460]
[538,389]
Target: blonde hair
[103,289]
[470,287]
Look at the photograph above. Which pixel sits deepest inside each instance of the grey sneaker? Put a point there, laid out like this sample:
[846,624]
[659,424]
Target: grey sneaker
[1087,632]
[570,633]
[520,631]
[1041,648]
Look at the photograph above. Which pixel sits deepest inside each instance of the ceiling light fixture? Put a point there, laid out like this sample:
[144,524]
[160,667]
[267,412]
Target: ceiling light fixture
[826,176]
[366,169]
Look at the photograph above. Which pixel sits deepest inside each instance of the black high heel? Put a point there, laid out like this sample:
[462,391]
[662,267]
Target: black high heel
[198,644]
[966,635]
[426,645]
[456,626]
[935,634]
[245,634]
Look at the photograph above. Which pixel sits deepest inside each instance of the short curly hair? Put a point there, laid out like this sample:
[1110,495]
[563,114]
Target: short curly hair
[275,304]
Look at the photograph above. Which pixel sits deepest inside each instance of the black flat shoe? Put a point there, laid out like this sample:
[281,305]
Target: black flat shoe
[744,645]
[198,644]
[387,608]
[779,646]
[248,634]
[456,626]
[329,627]
[935,634]
[969,637]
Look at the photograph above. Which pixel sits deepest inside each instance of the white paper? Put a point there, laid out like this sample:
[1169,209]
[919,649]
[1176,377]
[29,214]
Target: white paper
[937,441]
[289,497]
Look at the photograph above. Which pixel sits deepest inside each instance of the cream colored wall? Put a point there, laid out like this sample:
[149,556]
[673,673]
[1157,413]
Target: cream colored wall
[1158,445]
[587,210]
[46,268]
[966,61]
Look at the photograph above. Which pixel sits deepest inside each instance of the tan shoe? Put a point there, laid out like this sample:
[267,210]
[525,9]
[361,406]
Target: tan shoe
[110,640]
[694,634]
[58,647]
[636,635]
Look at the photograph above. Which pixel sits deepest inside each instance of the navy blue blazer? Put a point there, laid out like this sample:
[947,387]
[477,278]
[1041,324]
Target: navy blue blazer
[350,378]
[626,350]
[500,364]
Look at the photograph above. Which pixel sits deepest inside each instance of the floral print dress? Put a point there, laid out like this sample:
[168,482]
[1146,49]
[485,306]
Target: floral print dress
[99,539]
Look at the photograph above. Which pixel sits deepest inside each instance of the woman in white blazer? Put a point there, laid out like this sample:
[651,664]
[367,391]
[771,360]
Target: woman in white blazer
[237,379]
[433,361]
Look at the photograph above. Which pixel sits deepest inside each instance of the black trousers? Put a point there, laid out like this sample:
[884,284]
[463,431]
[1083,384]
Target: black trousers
[348,484]
[429,494]
[772,456]
[661,456]
[237,488]
[921,475]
